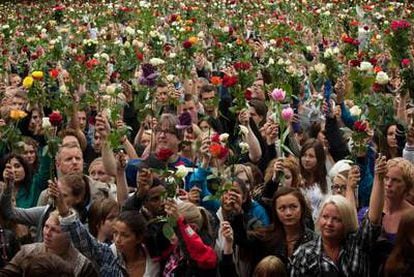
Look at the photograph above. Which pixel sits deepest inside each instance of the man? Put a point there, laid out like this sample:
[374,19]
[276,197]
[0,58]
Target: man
[217,108]
[57,242]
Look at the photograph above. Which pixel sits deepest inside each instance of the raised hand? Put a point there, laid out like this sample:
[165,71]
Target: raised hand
[56,194]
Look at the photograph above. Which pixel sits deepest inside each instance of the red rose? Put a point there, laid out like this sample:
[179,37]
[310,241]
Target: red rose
[218,151]
[187,44]
[164,154]
[229,81]
[140,56]
[54,73]
[58,8]
[55,118]
[248,94]
[377,87]
[405,62]
[373,61]
[242,66]
[354,63]
[90,64]
[215,138]
[360,126]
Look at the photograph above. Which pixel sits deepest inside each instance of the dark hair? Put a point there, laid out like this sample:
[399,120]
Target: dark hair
[207,88]
[305,210]
[46,264]
[26,182]
[260,108]
[319,173]
[246,194]
[399,260]
[98,212]
[135,222]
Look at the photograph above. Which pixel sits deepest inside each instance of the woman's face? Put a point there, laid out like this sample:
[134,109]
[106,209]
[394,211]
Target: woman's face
[288,210]
[98,173]
[106,226]
[125,240]
[308,159]
[339,185]
[204,126]
[18,170]
[29,153]
[391,139]
[330,223]
[35,120]
[288,177]
[395,187]
[256,118]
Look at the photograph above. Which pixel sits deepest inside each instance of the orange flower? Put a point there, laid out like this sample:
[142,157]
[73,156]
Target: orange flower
[239,41]
[354,23]
[193,40]
[377,69]
[17,114]
[216,80]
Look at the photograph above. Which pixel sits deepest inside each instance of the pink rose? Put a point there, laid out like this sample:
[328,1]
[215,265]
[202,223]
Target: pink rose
[278,94]
[287,114]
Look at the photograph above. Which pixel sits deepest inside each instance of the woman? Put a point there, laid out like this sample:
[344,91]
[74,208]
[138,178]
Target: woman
[101,217]
[244,215]
[312,168]
[76,194]
[401,260]
[388,142]
[126,257]
[398,181]
[280,172]
[342,248]
[26,189]
[31,152]
[290,216]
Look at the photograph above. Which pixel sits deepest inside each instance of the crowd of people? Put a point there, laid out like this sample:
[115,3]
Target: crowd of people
[235,160]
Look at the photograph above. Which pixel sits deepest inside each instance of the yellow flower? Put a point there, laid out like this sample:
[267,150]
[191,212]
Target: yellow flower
[193,40]
[28,82]
[38,75]
[17,114]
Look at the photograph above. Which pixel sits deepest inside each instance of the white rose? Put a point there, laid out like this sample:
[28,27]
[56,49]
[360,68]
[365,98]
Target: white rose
[170,77]
[244,147]
[320,68]
[355,111]
[46,123]
[127,44]
[130,31]
[382,78]
[224,138]
[201,35]
[63,89]
[308,48]
[226,29]
[111,89]
[335,50]
[172,55]
[105,56]
[156,61]
[365,66]
[271,61]
[182,171]
[243,130]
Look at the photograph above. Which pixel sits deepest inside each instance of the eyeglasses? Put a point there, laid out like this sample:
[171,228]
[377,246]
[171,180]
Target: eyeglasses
[165,131]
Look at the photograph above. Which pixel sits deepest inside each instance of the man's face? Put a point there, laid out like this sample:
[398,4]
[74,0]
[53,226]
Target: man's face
[162,94]
[82,119]
[154,202]
[257,90]
[190,106]
[18,103]
[97,142]
[207,99]
[70,160]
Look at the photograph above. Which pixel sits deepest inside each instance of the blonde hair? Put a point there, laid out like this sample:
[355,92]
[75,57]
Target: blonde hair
[270,266]
[407,171]
[346,211]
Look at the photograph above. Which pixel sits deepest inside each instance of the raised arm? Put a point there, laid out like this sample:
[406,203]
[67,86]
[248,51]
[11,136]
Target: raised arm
[376,202]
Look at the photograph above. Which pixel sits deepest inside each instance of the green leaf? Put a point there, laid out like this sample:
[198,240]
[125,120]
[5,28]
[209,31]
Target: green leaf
[168,231]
